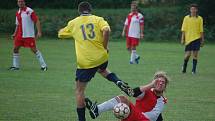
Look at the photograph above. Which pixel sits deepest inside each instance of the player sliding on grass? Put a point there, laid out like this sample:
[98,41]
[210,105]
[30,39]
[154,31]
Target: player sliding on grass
[24,35]
[91,35]
[133,29]
[149,101]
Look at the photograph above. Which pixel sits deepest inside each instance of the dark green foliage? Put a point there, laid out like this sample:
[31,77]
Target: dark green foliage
[67,4]
[161,23]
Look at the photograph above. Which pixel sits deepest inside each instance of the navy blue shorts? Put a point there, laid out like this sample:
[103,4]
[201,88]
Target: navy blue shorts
[193,46]
[85,75]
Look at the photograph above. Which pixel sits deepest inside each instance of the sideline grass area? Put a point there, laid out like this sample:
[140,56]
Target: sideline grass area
[32,95]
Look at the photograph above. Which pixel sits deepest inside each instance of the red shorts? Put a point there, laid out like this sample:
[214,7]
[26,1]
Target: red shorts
[135,115]
[131,42]
[25,42]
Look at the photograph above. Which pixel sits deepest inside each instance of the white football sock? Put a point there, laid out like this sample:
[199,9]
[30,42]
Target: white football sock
[107,105]
[40,59]
[16,60]
[133,55]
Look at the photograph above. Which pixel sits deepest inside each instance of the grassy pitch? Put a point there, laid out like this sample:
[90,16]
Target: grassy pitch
[32,95]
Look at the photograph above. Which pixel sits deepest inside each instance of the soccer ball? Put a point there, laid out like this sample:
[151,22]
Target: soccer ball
[121,111]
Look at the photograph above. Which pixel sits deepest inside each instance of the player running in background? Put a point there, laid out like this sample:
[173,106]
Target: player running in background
[24,35]
[133,29]
[91,35]
[192,36]
[149,105]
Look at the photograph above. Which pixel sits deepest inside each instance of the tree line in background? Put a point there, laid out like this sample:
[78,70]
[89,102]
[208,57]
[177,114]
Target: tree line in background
[163,18]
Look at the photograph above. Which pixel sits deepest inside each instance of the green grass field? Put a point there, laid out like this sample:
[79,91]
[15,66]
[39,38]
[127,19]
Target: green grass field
[32,95]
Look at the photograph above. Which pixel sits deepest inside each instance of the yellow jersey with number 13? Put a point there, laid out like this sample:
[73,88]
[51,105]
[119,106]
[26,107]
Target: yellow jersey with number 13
[87,33]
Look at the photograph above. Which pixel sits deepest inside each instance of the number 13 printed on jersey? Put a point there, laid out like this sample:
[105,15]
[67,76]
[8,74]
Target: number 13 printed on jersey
[88,31]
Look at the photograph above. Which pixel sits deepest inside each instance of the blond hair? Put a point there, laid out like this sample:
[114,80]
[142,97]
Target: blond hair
[162,74]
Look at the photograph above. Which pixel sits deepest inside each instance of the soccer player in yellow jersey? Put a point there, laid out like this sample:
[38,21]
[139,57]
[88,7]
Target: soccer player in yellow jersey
[91,35]
[192,36]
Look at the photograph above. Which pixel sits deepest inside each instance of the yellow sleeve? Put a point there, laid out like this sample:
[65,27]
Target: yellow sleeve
[66,32]
[201,25]
[184,24]
[103,24]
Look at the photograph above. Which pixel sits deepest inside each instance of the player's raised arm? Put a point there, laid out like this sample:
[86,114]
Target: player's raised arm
[140,91]
[66,32]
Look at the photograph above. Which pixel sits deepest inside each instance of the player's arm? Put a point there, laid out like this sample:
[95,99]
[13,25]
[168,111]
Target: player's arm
[202,39]
[106,33]
[15,31]
[141,27]
[36,20]
[182,37]
[125,27]
[202,32]
[124,30]
[139,92]
[39,31]
[183,28]
[66,31]
[156,111]
[141,31]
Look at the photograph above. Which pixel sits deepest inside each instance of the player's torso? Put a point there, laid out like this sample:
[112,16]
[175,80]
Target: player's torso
[25,23]
[148,102]
[193,23]
[88,41]
[134,25]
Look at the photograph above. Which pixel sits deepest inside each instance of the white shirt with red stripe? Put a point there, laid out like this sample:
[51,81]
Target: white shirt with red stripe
[25,19]
[150,105]
[133,22]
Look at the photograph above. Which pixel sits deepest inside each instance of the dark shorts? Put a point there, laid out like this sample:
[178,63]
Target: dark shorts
[193,46]
[85,75]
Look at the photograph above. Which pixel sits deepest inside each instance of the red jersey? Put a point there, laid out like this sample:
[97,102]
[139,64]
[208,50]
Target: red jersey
[147,108]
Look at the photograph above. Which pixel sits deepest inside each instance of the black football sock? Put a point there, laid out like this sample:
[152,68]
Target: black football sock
[185,65]
[81,114]
[194,65]
[112,77]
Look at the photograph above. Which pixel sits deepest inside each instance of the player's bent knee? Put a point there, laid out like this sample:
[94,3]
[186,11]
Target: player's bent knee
[123,99]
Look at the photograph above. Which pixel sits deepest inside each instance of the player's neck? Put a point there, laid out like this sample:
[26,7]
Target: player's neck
[158,93]
[193,14]
[23,7]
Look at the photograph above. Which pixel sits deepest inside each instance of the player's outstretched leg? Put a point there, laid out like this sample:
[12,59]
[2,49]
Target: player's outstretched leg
[113,78]
[95,110]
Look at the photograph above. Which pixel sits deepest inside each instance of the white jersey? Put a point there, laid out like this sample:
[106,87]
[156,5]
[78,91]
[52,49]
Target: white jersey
[133,22]
[26,22]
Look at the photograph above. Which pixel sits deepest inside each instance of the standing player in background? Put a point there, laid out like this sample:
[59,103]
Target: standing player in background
[192,36]
[91,35]
[150,101]
[24,35]
[133,29]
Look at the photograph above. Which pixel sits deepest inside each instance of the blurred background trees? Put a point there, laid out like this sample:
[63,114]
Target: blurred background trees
[163,18]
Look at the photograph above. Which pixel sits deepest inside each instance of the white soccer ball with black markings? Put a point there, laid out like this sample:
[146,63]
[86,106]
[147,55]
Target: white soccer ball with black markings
[121,111]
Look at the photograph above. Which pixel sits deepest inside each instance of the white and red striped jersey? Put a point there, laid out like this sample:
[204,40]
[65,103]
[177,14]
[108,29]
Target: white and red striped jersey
[25,19]
[133,22]
[150,105]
